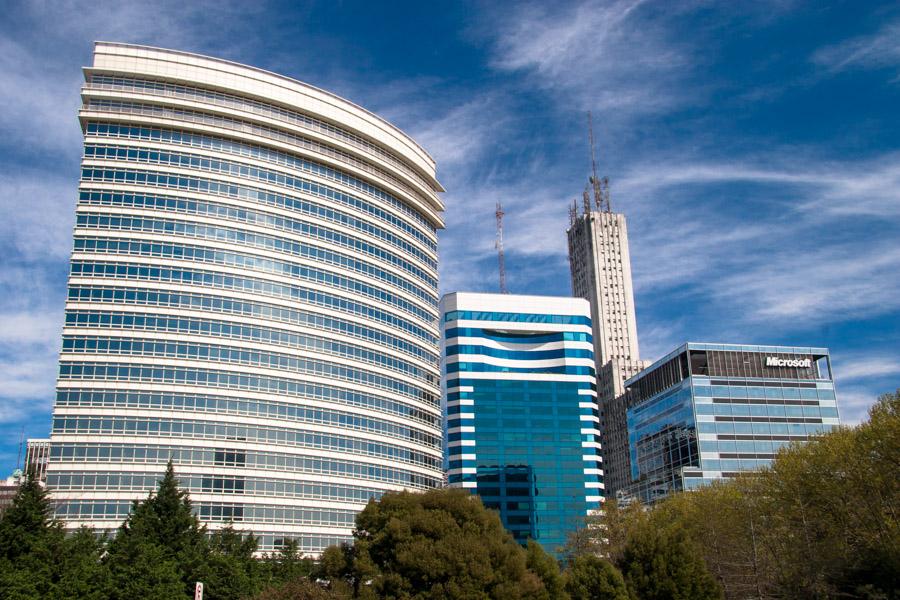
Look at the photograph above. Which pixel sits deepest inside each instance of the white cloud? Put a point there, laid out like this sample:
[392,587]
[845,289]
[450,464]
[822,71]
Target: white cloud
[853,367]
[615,57]
[873,51]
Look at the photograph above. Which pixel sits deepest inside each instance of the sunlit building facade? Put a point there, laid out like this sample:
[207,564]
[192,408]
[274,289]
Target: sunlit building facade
[252,294]
[705,412]
[520,392]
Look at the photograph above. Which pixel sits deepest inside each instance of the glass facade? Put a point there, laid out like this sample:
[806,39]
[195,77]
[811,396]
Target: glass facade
[252,294]
[520,399]
[708,411]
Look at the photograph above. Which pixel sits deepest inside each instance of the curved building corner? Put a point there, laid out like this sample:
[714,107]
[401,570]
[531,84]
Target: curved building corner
[252,294]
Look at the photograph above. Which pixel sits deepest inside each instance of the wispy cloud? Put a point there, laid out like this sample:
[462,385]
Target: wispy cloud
[615,57]
[879,50]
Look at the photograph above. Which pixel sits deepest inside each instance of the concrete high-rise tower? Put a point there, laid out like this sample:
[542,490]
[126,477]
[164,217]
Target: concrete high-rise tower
[601,273]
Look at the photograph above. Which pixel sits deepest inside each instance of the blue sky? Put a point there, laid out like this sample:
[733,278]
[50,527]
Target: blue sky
[755,148]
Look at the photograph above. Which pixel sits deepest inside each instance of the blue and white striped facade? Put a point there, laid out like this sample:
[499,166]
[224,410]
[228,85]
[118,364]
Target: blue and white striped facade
[519,387]
[252,295]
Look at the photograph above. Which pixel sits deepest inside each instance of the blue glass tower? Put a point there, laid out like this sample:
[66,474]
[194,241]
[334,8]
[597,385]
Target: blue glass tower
[708,411]
[521,404]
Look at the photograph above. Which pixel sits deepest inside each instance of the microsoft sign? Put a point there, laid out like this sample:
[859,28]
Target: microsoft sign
[774,361]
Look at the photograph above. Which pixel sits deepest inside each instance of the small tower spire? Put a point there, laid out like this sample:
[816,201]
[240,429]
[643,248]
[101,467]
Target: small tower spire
[498,244]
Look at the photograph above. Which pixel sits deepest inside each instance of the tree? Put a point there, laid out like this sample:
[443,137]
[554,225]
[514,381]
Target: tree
[232,571]
[547,569]
[662,564]
[604,533]
[27,522]
[37,560]
[287,564]
[441,544]
[592,578]
[300,588]
[160,539]
[81,573]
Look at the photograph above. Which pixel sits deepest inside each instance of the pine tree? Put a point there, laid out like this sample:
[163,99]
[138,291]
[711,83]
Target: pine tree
[233,572]
[28,521]
[159,540]
[28,537]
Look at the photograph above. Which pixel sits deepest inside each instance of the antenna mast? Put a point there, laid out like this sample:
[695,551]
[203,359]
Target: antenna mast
[498,244]
[21,443]
[600,185]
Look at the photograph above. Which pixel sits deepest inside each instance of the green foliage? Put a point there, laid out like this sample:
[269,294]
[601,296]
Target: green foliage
[822,522]
[27,523]
[299,589]
[547,569]
[662,564]
[592,578]
[232,572]
[288,563]
[37,560]
[441,544]
[159,540]
[605,533]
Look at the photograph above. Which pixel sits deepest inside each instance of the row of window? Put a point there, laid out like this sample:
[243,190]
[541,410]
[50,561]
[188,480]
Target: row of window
[527,338]
[479,367]
[252,173]
[239,331]
[754,392]
[211,378]
[764,428]
[218,210]
[299,227]
[282,436]
[200,254]
[160,454]
[213,512]
[196,161]
[252,285]
[223,188]
[518,354]
[257,409]
[87,481]
[195,140]
[471,315]
[218,98]
[762,410]
[743,446]
[202,231]
[218,304]
[237,356]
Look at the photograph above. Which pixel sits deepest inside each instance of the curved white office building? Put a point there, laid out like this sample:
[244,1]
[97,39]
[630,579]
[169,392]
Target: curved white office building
[253,295]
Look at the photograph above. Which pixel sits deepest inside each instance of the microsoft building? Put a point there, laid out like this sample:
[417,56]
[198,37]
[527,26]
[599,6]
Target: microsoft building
[252,295]
[521,404]
[705,412]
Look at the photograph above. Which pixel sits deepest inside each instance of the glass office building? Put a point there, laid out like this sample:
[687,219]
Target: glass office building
[521,404]
[252,294]
[708,411]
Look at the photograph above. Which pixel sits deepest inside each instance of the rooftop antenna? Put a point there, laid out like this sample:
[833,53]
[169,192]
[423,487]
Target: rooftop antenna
[21,441]
[600,185]
[573,213]
[498,244]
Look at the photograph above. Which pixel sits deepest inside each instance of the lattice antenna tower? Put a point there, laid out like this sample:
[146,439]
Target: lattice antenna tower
[573,213]
[599,184]
[498,244]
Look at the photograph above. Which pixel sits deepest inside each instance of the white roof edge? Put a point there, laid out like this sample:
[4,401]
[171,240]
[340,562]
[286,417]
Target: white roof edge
[374,117]
[521,303]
